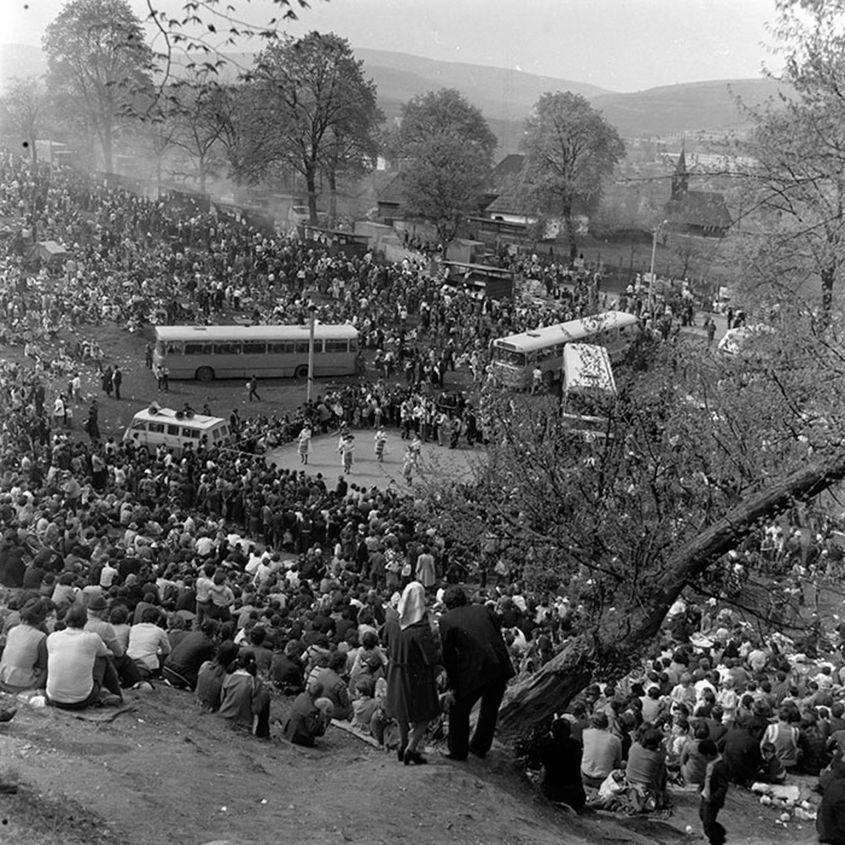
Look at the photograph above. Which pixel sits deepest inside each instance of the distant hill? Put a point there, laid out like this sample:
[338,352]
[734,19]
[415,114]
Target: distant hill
[506,96]
[501,93]
[671,109]
[20,60]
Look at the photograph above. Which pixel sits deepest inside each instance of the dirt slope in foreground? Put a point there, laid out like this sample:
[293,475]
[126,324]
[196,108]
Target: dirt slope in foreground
[165,773]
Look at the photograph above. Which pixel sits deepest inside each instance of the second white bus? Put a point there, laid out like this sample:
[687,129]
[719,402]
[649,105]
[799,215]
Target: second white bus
[514,358]
[212,352]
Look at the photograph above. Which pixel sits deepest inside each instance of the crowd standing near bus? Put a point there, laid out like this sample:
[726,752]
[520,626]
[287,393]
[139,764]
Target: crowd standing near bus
[266,592]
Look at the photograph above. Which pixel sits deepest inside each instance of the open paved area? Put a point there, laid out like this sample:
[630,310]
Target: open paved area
[437,464]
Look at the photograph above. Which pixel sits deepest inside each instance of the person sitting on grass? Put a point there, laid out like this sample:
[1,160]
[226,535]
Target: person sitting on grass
[211,675]
[24,662]
[148,644]
[76,664]
[307,721]
[646,768]
[286,671]
[333,685]
[561,758]
[244,700]
[183,663]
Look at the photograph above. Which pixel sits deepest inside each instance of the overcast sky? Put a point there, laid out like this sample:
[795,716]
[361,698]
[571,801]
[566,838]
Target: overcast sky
[624,45]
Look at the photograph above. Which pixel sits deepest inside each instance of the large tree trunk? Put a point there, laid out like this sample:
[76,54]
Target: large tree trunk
[332,178]
[553,686]
[828,275]
[571,235]
[106,137]
[311,187]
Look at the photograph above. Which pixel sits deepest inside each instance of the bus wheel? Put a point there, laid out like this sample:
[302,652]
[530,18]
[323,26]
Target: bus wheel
[205,374]
[301,372]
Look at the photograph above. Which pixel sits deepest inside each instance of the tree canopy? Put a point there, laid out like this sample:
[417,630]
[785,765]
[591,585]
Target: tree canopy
[570,148]
[22,107]
[98,60]
[445,150]
[797,183]
[308,106]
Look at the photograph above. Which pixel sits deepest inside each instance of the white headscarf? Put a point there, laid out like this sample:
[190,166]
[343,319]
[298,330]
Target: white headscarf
[411,605]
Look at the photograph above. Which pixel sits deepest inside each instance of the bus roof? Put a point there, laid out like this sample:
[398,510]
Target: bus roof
[587,369]
[169,415]
[322,331]
[574,330]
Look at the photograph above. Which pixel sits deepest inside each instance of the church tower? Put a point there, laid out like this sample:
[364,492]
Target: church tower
[680,178]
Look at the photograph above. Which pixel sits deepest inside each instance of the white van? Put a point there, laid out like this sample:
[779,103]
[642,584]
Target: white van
[175,429]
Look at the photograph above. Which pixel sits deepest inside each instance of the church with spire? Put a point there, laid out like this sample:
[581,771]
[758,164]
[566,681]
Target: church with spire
[701,213]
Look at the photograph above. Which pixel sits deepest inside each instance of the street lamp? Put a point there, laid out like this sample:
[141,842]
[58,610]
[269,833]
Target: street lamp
[657,230]
[313,309]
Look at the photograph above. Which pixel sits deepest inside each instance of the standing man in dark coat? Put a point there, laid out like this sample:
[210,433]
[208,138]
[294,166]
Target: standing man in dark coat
[116,381]
[478,667]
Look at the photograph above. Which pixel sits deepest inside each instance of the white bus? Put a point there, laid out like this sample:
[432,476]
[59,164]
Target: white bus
[515,357]
[588,388]
[210,352]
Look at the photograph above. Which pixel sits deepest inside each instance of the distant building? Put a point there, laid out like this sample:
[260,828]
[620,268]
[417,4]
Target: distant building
[702,213]
[505,202]
[391,201]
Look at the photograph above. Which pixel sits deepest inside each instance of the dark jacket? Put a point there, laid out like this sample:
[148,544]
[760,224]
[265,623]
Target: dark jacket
[187,657]
[411,673]
[561,760]
[304,722]
[474,654]
[742,755]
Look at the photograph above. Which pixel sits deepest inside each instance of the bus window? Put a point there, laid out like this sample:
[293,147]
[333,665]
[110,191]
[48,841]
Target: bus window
[173,347]
[158,428]
[353,344]
[215,434]
[546,353]
[173,429]
[225,430]
[337,345]
[509,356]
[280,347]
[197,348]
[228,347]
[301,346]
[190,432]
[139,425]
[254,347]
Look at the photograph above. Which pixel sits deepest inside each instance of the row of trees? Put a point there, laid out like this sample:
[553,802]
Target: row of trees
[304,107]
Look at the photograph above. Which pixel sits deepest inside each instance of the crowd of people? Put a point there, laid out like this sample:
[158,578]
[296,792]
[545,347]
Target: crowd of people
[251,585]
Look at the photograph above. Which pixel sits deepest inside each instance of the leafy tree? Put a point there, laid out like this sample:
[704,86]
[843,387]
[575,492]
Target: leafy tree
[202,117]
[308,107]
[23,110]
[798,144]
[445,148]
[570,148]
[97,58]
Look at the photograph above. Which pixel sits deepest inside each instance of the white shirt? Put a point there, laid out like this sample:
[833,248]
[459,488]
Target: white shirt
[70,664]
[146,642]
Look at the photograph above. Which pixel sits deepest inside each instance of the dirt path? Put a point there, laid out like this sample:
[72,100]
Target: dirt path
[165,773]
